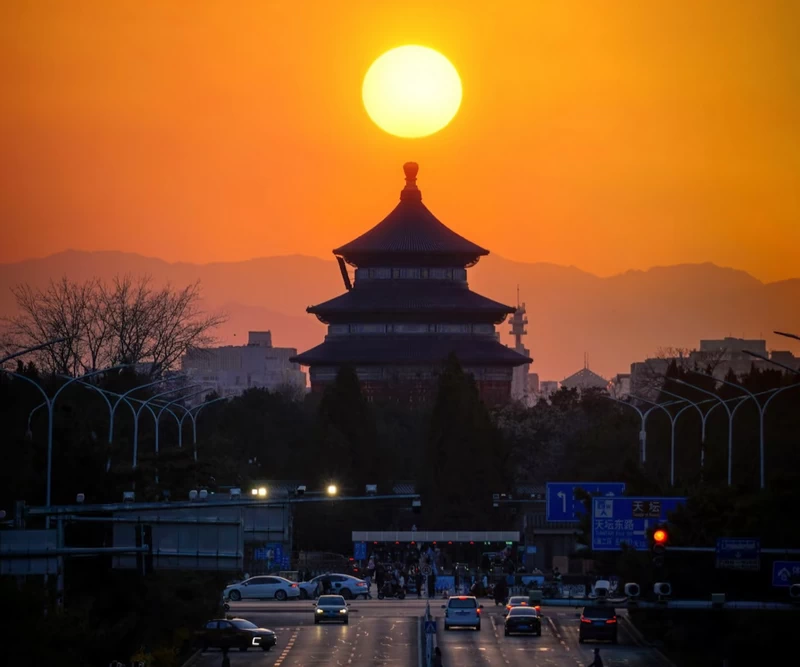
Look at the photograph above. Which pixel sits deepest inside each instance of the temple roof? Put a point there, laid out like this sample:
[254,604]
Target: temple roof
[409,350]
[410,230]
[419,297]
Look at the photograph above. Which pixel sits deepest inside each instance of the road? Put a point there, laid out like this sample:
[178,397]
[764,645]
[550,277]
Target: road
[386,633]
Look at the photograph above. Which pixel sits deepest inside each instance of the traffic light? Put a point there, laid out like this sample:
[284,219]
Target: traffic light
[660,539]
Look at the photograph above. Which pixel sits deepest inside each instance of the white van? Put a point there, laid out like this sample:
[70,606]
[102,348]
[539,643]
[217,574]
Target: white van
[462,611]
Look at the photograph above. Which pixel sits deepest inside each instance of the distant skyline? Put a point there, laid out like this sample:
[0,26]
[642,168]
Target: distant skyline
[610,136]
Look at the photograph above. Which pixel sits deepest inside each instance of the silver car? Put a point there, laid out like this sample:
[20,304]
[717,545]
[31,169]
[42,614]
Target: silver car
[462,611]
[262,588]
[331,608]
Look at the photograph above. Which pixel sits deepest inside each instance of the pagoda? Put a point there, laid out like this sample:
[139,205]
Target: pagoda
[409,308]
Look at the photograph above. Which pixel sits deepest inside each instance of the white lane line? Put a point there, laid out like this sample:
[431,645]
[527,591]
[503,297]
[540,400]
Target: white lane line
[288,648]
[557,633]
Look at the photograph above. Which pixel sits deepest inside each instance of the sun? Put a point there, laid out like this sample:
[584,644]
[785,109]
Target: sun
[411,91]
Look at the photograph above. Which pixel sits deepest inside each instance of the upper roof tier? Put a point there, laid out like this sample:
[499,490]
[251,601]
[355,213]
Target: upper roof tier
[410,234]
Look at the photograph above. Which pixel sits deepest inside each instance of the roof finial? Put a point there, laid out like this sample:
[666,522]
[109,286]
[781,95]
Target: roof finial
[411,191]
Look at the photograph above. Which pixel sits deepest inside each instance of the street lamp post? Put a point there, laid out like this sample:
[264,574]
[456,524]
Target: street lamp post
[176,402]
[193,414]
[643,415]
[50,404]
[703,420]
[125,399]
[762,409]
[731,415]
[672,421]
[138,411]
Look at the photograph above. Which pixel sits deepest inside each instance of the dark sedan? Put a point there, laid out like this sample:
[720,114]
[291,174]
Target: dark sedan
[523,620]
[235,633]
[598,622]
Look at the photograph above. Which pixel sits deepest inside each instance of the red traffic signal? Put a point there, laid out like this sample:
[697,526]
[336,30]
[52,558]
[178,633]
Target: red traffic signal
[660,536]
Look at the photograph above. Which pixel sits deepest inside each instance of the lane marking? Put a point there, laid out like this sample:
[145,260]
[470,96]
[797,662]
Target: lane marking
[289,645]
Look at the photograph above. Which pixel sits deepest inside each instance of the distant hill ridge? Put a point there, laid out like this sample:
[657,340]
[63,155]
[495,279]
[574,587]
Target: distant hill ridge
[615,320]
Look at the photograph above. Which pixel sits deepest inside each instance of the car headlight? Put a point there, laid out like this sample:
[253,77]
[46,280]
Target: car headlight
[343,611]
[319,611]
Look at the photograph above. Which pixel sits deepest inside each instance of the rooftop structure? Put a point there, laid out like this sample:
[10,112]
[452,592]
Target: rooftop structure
[409,308]
[232,369]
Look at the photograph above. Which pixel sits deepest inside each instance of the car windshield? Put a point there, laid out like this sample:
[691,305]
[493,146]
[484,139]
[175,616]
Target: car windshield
[518,600]
[331,601]
[599,612]
[522,611]
[243,625]
[463,603]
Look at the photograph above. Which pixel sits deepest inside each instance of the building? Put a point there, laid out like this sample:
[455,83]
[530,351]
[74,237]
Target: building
[520,388]
[409,308]
[585,379]
[235,368]
[547,388]
[620,386]
[720,356]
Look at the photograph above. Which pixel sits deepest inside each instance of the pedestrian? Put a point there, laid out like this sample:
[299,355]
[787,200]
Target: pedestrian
[226,661]
[418,580]
[368,582]
[437,657]
[598,661]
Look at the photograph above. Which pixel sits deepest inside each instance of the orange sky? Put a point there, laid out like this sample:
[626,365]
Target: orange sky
[608,135]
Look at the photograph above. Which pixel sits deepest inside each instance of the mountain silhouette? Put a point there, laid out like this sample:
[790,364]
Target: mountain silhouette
[614,320]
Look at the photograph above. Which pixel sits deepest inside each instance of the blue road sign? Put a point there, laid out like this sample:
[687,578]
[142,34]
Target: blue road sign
[618,521]
[360,551]
[430,627]
[738,553]
[260,554]
[785,573]
[562,505]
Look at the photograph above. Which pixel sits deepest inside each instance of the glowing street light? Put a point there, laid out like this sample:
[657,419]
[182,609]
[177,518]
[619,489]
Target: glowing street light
[254,492]
[262,491]
[332,489]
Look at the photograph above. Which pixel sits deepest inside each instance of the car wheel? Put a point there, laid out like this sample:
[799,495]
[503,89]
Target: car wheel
[316,621]
[581,640]
[280,595]
[446,627]
[266,648]
[401,595]
[347,594]
[614,639]
[478,627]
[539,632]
[235,596]
[205,646]
[346,621]
[506,633]
[380,596]
[304,594]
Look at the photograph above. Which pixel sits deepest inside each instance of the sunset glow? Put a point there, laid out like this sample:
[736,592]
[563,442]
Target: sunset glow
[412,91]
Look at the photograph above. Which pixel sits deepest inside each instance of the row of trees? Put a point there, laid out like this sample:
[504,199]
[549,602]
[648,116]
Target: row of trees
[126,321]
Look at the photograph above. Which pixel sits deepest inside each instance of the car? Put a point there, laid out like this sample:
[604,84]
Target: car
[235,633]
[462,611]
[331,608]
[262,588]
[516,601]
[339,584]
[598,622]
[525,620]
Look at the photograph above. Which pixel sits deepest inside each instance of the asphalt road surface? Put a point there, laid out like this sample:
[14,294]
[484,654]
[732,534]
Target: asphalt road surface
[386,633]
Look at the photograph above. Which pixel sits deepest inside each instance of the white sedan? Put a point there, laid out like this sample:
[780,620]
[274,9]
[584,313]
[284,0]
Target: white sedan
[262,588]
[338,584]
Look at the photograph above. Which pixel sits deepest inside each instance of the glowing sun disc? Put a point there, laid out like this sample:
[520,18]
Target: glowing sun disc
[411,91]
